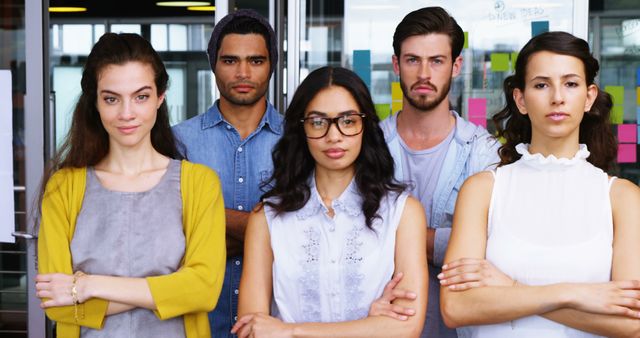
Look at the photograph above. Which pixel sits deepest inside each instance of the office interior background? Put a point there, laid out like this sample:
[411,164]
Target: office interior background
[43,49]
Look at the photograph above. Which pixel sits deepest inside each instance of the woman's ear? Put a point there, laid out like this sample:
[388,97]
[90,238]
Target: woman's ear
[518,97]
[160,100]
[592,94]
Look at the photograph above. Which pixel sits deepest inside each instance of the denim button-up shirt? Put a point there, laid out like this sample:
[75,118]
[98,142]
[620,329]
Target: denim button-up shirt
[242,165]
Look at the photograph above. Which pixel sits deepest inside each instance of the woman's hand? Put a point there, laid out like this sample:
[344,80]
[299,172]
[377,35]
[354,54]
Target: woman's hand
[59,289]
[613,298]
[467,273]
[260,325]
[383,306]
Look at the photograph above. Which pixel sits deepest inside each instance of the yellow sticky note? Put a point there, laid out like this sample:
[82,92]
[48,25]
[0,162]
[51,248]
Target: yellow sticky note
[617,94]
[499,62]
[638,97]
[617,114]
[396,106]
[396,91]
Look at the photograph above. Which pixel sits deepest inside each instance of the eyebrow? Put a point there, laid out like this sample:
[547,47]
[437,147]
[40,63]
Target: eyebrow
[236,57]
[411,55]
[107,91]
[346,112]
[546,78]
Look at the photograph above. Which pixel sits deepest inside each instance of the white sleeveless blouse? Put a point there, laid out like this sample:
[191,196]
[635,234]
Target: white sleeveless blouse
[550,221]
[331,269]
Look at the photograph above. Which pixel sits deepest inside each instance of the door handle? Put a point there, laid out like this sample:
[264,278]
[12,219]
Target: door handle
[23,234]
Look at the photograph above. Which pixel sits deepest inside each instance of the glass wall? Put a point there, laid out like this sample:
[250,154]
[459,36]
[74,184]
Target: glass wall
[13,278]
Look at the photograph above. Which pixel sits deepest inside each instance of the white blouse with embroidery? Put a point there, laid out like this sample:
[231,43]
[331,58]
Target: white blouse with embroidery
[331,269]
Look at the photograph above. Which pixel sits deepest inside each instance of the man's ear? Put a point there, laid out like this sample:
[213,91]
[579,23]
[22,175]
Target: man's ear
[457,66]
[396,65]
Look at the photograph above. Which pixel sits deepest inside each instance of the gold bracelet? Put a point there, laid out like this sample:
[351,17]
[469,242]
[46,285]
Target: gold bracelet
[74,296]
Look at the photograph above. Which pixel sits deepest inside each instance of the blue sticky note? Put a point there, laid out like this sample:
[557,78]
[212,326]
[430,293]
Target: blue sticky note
[638,77]
[638,115]
[539,27]
[362,65]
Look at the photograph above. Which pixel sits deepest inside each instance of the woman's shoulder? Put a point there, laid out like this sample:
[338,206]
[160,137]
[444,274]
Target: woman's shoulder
[624,190]
[68,176]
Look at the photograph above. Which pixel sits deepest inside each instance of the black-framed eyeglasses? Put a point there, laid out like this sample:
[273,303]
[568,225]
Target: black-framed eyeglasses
[349,123]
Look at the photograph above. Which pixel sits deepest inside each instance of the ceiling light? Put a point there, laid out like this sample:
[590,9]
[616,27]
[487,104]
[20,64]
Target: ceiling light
[202,8]
[67,9]
[182,3]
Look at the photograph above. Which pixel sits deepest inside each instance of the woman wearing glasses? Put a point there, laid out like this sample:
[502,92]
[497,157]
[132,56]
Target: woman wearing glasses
[334,227]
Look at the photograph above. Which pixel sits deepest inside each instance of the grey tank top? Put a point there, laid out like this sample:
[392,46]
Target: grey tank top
[131,234]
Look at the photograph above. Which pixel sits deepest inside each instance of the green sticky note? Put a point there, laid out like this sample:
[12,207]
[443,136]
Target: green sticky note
[514,58]
[617,114]
[617,94]
[499,62]
[383,110]
[466,40]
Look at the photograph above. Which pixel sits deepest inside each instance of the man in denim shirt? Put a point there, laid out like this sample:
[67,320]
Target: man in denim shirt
[434,149]
[235,136]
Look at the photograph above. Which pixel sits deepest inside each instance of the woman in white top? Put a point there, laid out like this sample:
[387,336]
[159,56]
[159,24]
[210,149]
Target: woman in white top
[334,227]
[559,235]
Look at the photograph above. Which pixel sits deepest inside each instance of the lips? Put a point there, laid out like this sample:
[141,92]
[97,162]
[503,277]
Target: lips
[423,88]
[128,129]
[243,88]
[557,116]
[334,153]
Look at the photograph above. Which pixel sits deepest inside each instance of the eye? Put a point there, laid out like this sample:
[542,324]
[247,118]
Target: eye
[228,61]
[540,85]
[109,99]
[142,97]
[572,84]
[412,60]
[257,61]
[438,61]
[317,122]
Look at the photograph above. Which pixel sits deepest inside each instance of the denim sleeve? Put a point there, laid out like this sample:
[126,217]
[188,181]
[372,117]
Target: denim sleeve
[440,243]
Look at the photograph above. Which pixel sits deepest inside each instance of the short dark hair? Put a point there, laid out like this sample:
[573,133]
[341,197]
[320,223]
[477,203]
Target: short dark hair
[429,20]
[243,21]
[595,130]
[294,165]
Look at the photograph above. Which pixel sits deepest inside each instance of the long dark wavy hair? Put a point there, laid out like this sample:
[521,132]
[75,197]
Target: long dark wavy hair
[87,141]
[294,165]
[595,130]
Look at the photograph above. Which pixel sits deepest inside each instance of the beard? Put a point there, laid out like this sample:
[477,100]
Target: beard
[422,102]
[248,99]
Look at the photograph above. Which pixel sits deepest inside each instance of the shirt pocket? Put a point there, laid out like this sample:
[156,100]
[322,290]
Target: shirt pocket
[265,185]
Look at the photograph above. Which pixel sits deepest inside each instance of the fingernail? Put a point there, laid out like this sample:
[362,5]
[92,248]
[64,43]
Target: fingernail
[412,295]
[403,317]
[452,287]
[444,266]
[443,281]
[440,275]
[411,311]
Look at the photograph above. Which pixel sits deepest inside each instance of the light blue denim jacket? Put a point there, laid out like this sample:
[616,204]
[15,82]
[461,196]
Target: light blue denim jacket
[242,166]
[472,150]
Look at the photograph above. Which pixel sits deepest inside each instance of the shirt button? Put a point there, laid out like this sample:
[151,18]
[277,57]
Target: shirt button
[237,262]
[240,208]
[228,126]
[240,179]
[235,318]
[236,291]
[239,149]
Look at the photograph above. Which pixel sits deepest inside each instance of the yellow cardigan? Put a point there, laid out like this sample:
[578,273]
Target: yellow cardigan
[190,292]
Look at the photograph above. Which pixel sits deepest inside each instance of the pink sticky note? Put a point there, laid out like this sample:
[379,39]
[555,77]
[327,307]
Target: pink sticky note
[627,133]
[479,120]
[478,107]
[627,153]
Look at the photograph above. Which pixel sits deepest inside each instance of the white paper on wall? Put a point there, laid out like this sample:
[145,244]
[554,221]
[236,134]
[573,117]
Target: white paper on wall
[7,218]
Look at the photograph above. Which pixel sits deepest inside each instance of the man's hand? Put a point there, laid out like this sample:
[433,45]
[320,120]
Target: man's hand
[383,306]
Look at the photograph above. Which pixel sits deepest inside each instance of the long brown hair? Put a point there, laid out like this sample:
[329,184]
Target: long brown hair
[595,130]
[87,141]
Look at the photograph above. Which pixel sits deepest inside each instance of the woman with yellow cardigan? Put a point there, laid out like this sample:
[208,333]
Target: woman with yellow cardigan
[131,240]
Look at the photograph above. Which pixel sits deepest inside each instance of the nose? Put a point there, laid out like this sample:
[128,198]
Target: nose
[333,134]
[425,72]
[558,95]
[126,111]
[243,71]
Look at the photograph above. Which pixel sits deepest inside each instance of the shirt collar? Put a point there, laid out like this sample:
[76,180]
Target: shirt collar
[271,118]
[349,202]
